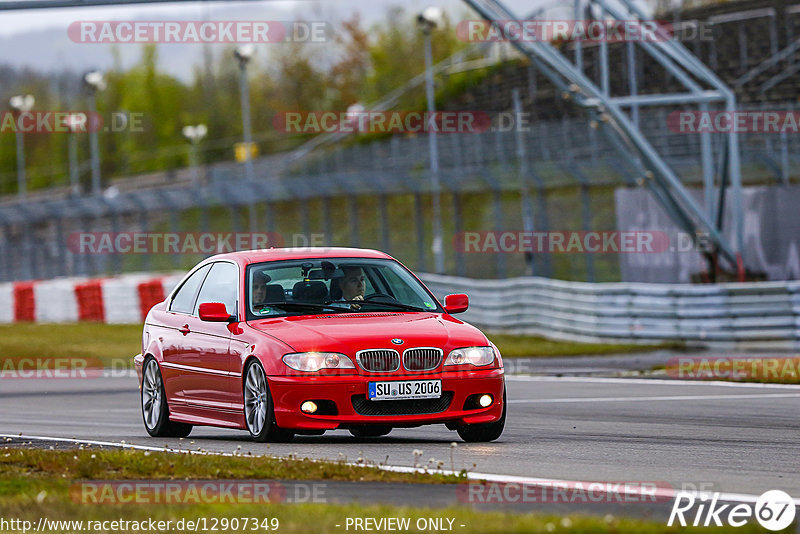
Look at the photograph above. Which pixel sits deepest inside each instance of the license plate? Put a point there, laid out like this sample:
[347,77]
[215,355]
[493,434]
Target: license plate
[405,389]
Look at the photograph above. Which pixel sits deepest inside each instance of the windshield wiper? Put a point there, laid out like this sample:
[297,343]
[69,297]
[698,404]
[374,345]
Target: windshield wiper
[396,305]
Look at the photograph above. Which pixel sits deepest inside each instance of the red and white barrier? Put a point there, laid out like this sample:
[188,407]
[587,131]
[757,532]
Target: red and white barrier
[54,301]
[117,299]
[24,303]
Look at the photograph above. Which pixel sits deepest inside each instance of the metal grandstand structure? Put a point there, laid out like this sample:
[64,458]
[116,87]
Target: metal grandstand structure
[612,128]
[622,130]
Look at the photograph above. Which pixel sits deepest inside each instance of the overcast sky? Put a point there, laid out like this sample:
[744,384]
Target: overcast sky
[34,19]
[37,38]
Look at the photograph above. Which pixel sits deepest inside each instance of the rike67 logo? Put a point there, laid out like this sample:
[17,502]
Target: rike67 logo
[774,510]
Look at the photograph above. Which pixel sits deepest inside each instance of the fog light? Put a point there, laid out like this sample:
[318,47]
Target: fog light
[485,401]
[308,407]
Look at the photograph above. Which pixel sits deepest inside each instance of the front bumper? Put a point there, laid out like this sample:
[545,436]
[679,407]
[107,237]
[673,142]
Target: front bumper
[288,393]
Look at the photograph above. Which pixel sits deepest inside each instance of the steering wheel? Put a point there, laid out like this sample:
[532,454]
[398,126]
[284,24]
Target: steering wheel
[375,296]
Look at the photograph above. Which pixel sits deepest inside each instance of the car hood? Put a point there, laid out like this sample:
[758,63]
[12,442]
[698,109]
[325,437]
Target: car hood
[350,332]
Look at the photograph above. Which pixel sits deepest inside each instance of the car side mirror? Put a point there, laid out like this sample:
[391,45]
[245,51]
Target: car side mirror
[457,303]
[214,312]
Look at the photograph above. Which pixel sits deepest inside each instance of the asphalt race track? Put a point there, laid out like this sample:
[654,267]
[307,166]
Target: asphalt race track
[717,437]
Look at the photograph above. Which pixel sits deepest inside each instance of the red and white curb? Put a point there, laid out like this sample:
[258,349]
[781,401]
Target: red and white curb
[114,300]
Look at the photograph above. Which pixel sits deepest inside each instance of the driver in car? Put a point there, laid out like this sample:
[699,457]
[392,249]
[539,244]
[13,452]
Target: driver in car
[352,284]
[260,281]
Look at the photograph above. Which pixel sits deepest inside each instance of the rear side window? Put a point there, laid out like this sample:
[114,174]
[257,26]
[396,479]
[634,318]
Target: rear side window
[221,285]
[185,297]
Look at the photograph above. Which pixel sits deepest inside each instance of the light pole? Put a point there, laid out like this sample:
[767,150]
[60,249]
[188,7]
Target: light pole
[353,114]
[194,134]
[244,53]
[21,104]
[75,122]
[427,21]
[94,82]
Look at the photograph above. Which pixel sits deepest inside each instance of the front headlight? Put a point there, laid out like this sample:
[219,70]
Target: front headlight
[314,361]
[471,355]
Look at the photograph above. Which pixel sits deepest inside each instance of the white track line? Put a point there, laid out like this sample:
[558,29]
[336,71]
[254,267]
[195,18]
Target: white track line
[648,381]
[62,422]
[660,492]
[120,373]
[664,398]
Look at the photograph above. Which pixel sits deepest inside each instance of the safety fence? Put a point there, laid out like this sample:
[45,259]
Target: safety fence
[552,173]
[356,196]
[753,315]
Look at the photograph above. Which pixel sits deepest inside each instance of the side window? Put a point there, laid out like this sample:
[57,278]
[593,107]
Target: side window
[184,298]
[221,285]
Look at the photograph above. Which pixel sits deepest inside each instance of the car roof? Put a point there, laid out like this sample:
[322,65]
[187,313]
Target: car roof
[276,254]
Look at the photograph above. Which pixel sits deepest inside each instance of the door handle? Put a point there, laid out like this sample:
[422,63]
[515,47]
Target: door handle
[184,329]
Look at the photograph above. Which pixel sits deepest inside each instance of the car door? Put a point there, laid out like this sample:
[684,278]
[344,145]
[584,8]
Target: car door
[171,328]
[212,384]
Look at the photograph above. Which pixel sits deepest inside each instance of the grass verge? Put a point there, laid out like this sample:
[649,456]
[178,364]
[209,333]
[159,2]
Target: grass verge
[773,369]
[513,346]
[115,345]
[97,463]
[36,484]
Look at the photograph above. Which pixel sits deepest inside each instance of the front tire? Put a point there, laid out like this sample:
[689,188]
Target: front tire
[259,413]
[484,432]
[155,411]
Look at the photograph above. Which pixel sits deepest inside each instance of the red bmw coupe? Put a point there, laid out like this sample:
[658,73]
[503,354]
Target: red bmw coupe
[283,342]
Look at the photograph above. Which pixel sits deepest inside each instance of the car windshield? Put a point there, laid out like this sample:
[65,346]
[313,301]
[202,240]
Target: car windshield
[333,285]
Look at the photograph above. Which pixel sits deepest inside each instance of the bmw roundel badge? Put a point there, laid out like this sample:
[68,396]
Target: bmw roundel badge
[397,341]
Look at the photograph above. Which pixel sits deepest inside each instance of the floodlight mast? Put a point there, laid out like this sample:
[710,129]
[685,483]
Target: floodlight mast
[194,134]
[94,81]
[628,139]
[427,21]
[244,53]
[21,104]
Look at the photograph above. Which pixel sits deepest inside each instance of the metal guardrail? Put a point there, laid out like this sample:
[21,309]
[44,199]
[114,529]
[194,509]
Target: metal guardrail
[753,315]
[763,315]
